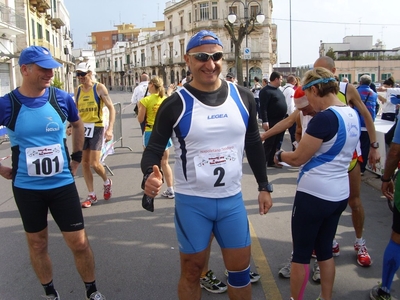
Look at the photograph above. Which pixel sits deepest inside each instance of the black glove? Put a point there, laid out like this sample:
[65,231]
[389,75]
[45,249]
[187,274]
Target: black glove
[148,203]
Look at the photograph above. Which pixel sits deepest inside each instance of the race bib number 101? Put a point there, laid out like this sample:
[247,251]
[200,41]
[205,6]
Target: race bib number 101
[44,161]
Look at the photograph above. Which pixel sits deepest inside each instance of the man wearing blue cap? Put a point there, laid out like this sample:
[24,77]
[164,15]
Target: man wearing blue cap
[42,173]
[211,122]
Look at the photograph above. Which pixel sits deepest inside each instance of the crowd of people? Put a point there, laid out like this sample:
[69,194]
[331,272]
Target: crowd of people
[331,127]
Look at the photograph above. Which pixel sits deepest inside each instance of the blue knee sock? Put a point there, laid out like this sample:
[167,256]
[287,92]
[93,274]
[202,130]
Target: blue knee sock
[391,263]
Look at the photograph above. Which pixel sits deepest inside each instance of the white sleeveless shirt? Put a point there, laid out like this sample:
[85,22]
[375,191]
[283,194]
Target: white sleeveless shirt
[209,145]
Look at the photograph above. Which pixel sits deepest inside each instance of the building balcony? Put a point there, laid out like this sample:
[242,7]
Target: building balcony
[57,23]
[254,56]
[46,44]
[11,23]
[39,6]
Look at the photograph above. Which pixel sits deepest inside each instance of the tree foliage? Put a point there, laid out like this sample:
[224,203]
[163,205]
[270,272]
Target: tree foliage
[331,53]
[57,83]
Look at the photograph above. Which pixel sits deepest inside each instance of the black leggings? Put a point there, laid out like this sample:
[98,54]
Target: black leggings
[314,224]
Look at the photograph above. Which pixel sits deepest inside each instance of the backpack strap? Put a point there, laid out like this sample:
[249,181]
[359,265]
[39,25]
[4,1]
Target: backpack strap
[16,107]
[77,94]
[54,103]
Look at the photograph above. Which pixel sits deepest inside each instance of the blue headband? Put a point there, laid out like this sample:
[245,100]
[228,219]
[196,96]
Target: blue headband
[321,80]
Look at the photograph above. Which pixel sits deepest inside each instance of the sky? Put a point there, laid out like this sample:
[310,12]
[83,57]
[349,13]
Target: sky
[311,22]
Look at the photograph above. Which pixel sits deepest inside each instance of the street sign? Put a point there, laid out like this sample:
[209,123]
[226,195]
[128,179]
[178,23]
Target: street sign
[246,53]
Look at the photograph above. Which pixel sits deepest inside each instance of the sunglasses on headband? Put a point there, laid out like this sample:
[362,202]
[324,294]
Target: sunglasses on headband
[203,56]
[81,74]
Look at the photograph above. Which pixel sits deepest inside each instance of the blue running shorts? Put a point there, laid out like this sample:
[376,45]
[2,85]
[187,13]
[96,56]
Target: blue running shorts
[197,217]
[146,138]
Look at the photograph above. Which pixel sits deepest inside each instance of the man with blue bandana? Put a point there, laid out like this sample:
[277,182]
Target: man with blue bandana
[211,122]
[42,174]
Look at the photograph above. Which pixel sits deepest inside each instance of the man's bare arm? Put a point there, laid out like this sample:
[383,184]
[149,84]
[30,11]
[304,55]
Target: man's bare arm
[280,126]
[355,100]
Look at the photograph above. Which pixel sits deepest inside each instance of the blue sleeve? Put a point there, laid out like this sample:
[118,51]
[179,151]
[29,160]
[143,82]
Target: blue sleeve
[395,99]
[396,137]
[324,125]
[67,105]
[5,110]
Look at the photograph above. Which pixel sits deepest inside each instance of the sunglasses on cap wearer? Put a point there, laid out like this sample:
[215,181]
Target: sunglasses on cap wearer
[81,74]
[204,56]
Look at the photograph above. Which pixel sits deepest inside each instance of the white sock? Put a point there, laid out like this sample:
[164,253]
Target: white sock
[359,241]
[107,181]
[170,189]
[92,193]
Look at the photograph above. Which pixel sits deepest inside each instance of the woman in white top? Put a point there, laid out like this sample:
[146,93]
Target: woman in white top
[388,108]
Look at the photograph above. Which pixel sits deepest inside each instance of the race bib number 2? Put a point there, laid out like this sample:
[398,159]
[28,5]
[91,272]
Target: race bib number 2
[218,168]
[89,129]
[44,161]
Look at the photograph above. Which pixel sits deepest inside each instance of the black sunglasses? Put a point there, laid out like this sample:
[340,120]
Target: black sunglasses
[82,74]
[203,56]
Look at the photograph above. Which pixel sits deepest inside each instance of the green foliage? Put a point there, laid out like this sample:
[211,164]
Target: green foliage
[331,53]
[57,83]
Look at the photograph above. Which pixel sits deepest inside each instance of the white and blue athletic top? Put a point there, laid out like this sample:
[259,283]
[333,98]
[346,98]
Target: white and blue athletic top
[325,174]
[208,157]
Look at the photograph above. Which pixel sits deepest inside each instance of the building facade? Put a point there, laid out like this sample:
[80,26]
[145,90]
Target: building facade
[358,55]
[161,52]
[34,22]
[12,25]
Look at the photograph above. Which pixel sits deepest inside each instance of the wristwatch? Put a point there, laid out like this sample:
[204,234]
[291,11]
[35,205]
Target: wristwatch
[375,145]
[266,188]
[385,180]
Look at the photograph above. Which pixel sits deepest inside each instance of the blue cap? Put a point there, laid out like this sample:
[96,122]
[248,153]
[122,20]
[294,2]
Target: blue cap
[40,56]
[198,39]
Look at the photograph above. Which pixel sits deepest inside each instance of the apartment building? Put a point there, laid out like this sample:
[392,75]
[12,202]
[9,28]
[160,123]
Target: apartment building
[12,24]
[161,51]
[34,22]
[358,55]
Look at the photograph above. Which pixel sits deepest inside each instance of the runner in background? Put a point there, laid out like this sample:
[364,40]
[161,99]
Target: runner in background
[91,97]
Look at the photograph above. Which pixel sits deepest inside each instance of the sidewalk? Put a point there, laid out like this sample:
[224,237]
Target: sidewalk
[372,179]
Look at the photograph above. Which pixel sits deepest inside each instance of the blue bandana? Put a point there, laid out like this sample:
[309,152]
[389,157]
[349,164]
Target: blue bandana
[321,80]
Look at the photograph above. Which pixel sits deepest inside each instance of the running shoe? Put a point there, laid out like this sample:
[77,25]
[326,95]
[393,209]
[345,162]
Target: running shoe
[107,190]
[96,296]
[168,194]
[212,284]
[378,294]
[363,258]
[254,277]
[52,297]
[285,271]
[316,273]
[335,249]
[89,201]
[313,255]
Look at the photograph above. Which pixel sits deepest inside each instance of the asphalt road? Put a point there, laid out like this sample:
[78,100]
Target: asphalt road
[136,251]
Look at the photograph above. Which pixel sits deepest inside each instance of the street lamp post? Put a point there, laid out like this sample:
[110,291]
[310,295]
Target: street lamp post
[244,31]
[172,53]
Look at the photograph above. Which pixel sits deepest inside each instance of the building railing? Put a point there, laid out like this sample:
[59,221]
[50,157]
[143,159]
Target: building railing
[10,17]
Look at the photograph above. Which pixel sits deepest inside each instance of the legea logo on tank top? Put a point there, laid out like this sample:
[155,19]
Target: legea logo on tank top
[219,116]
[52,126]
